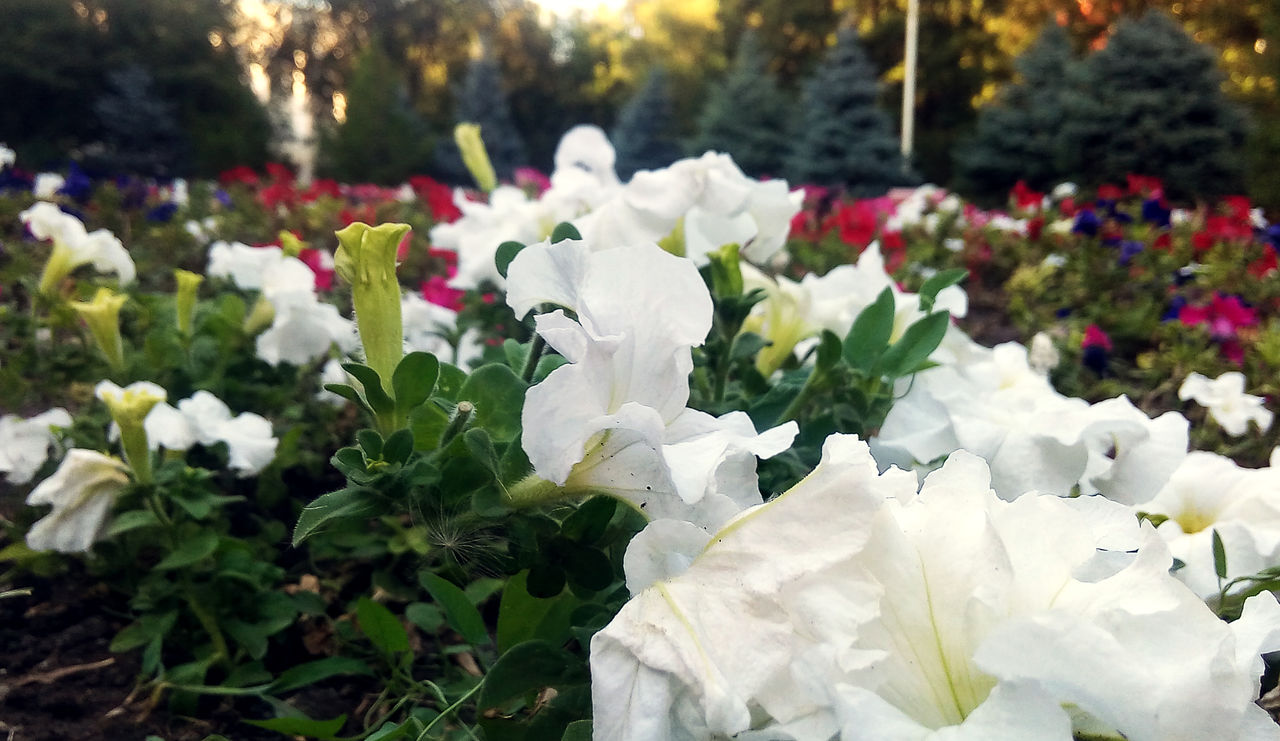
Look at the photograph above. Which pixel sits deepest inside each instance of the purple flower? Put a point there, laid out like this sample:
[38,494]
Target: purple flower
[1129,248]
[77,186]
[1155,212]
[1087,223]
[1175,309]
[162,213]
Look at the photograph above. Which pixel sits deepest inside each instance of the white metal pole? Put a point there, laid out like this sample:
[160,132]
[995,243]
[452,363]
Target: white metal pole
[909,78]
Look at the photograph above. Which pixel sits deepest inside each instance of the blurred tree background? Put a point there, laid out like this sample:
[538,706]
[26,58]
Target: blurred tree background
[224,82]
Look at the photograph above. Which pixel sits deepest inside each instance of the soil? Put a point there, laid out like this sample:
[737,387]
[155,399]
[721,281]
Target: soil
[58,681]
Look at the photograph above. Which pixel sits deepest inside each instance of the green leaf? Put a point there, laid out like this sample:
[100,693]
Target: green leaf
[450,381]
[316,671]
[915,345]
[481,448]
[371,384]
[303,726]
[870,333]
[507,252]
[371,443]
[132,520]
[414,380]
[588,568]
[428,423]
[588,523]
[458,610]
[189,551]
[498,395]
[398,447]
[829,350]
[579,730]
[938,281]
[528,668]
[1219,556]
[381,627]
[425,615]
[344,503]
[747,345]
[564,230]
[347,392]
[148,628]
[523,617]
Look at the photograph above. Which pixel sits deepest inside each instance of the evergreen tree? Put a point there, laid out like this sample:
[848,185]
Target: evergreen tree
[1017,134]
[747,114]
[382,140]
[644,134]
[1150,102]
[843,139]
[483,100]
[140,133]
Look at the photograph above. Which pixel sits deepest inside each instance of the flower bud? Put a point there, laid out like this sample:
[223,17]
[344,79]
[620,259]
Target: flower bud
[185,298]
[102,315]
[467,135]
[129,408]
[366,258]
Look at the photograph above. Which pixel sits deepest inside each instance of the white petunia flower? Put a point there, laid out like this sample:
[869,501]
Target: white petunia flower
[613,419]
[7,157]
[47,185]
[251,445]
[81,491]
[854,607]
[1227,402]
[77,247]
[1209,493]
[242,264]
[24,443]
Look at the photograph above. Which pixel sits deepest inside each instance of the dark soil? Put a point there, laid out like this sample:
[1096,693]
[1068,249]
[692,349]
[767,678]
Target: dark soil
[58,681]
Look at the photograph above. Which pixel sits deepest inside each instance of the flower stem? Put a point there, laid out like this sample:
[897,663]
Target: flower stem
[532,491]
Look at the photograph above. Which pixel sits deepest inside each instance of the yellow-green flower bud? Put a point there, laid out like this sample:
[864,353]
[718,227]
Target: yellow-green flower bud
[289,244]
[674,242]
[129,407]
[467,135]
[726,271]
[260,317]
[366,258]
[184,299]
[102,315]
[61,262]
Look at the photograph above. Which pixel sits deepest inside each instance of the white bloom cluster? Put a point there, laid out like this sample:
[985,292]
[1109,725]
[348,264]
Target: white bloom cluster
[614,418]
[24,443]
[303,328]
[876,611]
[7,156]
[207,420]
[81,491]
[101,248]
[1227,402]
[699,203]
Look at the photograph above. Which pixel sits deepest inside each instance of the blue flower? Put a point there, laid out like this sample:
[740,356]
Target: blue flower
[1087,223]
[77,186]
[1129,248]
[1175,308]
[162,213]
[1155,212]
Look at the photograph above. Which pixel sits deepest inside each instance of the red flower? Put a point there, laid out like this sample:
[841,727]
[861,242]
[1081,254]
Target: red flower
[1110,193]
[1035,228]
[1145,186]
[1265,265]
[321,263]
[1224,316]
[279,193]
[857,222]
[1025,198]
[1095,337]
[1238,208]
[436,290]
[1163,242]
[438,197]
[241,174]
[322,187]
[1067,208]
[279,172]
[527,178]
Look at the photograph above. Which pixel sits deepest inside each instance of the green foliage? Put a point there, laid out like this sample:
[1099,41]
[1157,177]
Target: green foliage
[747,115]
[645,134]
[139,131]
[1151,102]
[843,138]
[382,140]
[1018,134]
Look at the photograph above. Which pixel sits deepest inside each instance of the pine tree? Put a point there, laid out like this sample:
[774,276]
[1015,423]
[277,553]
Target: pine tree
[1017,136]
[747,115]
[644,134]
[843,138]
[1150,103]
[382,140]
[483,100]
[141,135]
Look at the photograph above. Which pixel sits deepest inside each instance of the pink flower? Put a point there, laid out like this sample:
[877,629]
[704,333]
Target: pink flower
[1095,337]
[527,178]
